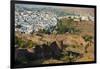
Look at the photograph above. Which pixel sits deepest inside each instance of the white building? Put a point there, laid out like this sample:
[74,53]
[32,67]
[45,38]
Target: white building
[84,18]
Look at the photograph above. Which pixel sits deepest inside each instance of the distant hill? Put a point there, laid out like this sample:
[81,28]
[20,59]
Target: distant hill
[79,10]
[60,10]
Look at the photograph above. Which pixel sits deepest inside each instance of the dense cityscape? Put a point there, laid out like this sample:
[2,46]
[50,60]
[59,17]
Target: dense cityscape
[28,21]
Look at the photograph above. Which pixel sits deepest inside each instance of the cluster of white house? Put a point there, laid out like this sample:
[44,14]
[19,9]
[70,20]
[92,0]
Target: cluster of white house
[34,21]
[79,17]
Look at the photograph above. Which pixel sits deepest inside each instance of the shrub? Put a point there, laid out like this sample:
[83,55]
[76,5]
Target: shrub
[87,37]
[30,44]
[20,42]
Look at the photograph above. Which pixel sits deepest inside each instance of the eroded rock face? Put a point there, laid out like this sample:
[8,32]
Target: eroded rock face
[55,49]
[46,52]
[39,52]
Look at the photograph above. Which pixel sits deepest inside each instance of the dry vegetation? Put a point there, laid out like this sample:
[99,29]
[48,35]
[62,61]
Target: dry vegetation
[78,47]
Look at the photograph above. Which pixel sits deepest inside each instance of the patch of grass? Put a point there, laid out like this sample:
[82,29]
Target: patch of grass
[87,38]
